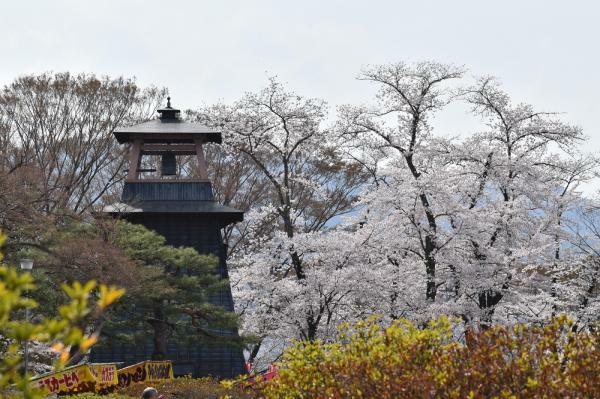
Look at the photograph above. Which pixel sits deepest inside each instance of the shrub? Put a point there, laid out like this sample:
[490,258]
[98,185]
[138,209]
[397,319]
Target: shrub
[181,388]
[62,332]
[404,361]
[91,395]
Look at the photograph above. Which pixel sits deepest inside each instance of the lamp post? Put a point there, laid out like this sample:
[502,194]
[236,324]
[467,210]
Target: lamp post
[26,264]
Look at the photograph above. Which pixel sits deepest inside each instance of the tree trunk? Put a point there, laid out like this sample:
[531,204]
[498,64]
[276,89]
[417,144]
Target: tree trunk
[430,244]
[487,301]
[161,334]
[254,352]
[430,268]
[312,329]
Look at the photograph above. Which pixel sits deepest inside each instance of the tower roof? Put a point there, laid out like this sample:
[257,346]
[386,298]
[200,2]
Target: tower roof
[221,213]
[168,128]
[173,197]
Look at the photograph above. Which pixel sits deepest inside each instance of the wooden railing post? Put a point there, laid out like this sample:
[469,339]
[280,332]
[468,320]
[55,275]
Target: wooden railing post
[202,171]
[134,160]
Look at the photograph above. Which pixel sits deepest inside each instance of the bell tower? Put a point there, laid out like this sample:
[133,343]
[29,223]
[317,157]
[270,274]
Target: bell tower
[181,207]
[167,136]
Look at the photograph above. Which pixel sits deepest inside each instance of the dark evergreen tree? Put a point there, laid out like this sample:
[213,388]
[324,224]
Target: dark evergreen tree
[171,300]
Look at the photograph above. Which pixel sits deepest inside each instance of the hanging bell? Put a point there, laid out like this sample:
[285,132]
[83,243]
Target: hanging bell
[168,164]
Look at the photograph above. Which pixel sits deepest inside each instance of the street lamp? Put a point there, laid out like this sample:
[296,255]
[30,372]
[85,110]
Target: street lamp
[26,264]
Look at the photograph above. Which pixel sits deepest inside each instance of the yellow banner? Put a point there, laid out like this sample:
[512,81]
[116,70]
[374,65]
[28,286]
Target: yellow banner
[102,377]
[150,370]
[70,380]
[105,374]
[159,371]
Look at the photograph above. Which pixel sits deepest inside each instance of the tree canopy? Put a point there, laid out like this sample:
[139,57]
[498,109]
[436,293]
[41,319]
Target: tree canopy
[359,210]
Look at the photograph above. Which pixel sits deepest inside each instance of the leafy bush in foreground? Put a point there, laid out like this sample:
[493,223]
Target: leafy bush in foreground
[193,388]
[180,388]
[404,361]
[62,332]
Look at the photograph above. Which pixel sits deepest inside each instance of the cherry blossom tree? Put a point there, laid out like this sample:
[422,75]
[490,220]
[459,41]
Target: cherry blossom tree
[376,213]
[396,130]
[279,285]
[577,282]
[475,222]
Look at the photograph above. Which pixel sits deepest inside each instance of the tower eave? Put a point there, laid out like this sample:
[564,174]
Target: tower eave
[160,130]
[220,212]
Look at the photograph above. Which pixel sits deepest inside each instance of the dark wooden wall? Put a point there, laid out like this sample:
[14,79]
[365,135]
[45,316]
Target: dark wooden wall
[202,232]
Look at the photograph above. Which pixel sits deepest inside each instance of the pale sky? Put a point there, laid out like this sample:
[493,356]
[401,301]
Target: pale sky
[545,52]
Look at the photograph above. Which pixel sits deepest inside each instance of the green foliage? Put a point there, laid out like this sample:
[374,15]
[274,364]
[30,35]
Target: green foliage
[404,361]
[91,395]
[60,331]
[174,285]
[193,388]
[181,388]
[72,250]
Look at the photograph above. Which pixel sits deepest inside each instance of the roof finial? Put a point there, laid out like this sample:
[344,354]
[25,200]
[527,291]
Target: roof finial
[168,112]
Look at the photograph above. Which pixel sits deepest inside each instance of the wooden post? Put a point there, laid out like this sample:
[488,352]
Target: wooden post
[134,160]
[202,171]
